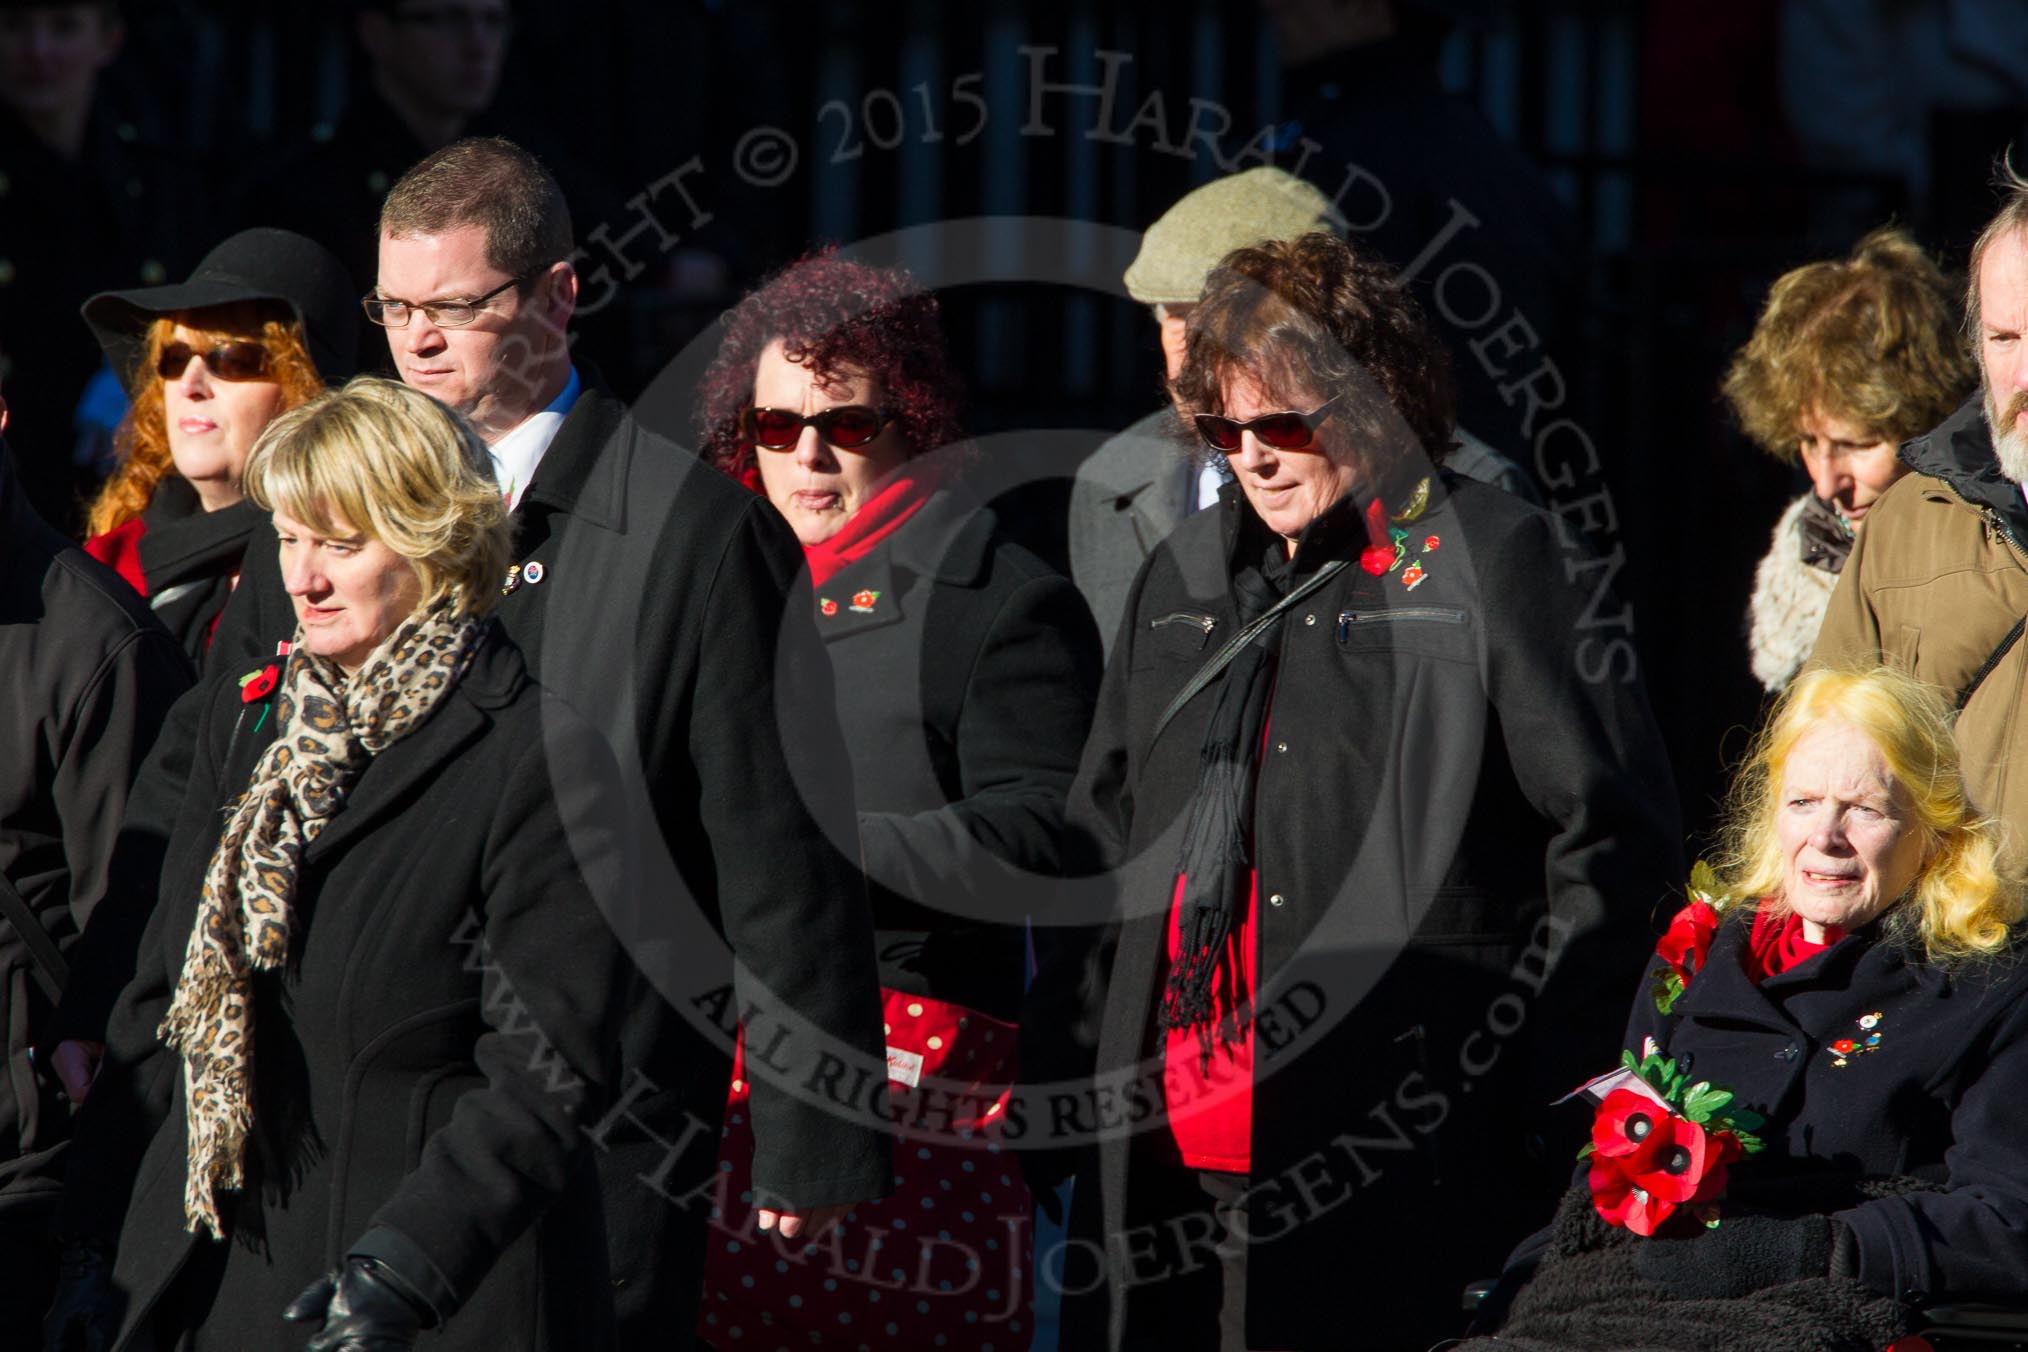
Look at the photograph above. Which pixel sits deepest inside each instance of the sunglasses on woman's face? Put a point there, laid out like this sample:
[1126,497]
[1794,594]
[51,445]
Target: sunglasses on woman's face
[848,427]
[227,361]
[1282,431]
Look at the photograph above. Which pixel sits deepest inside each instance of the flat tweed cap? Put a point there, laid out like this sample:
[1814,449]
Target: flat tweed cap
[1189,239]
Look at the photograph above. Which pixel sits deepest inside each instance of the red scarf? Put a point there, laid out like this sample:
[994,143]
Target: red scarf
[877,518]
[1777,945]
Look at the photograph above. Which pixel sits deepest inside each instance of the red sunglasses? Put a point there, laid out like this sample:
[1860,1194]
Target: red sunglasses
[849,427]
[1283,431]
[227,361]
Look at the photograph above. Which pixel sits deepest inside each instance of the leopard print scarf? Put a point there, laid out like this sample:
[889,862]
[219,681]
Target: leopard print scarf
[328,728]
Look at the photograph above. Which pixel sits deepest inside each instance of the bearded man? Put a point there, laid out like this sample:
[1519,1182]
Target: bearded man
[1938,583]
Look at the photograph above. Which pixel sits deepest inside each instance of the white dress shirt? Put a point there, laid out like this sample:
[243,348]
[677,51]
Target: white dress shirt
[516,455]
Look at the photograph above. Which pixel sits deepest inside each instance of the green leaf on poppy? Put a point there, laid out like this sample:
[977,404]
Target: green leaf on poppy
[1585,1153]
[1667,990]
[1748,1142]
[1745,1117]
[1704,882]
[1701,1101]
[1631,1062]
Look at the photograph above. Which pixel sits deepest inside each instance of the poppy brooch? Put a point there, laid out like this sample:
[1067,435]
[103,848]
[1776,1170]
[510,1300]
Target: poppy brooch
[1379,559]
[1845,1048]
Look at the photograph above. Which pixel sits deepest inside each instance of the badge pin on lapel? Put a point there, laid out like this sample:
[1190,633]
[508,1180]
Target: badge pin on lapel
[513,580]
[1845,1048]
[533,573]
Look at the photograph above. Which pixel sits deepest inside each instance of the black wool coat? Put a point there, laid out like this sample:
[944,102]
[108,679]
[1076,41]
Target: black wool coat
[190,558]
[672,612]
[1941,1097]
[1462,780]
[965,670]
[86,677]
[446,1019]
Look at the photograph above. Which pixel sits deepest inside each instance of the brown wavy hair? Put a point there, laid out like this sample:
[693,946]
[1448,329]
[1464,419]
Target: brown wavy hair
[1320,314]
[143,436]
[833,314]
[1873,339]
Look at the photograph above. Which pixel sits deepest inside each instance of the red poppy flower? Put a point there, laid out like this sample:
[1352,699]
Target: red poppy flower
[828,606]
[1675,1163]
[1376,559]
[257,684]
[1626,1117]
[1622,1201]
[1430,543]
[1843,1045]
[1688,939]
[864,599]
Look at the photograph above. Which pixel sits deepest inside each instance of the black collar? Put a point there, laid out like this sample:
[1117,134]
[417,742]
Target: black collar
[584,472]
[1960,452]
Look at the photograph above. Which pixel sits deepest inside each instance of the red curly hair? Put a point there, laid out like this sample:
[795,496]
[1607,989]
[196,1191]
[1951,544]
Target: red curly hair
[143,438]
[833,315]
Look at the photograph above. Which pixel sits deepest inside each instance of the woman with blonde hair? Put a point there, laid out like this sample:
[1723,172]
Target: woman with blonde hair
[376,999]
[261,325]
[1851,357]
[1816,1124]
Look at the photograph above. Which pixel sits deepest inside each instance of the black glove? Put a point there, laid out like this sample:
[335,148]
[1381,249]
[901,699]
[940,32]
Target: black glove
[81,1314]
[1746,1253]
[363,1307]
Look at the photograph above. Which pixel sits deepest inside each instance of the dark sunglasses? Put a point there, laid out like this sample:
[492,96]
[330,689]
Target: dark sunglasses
[1283,431]
[227,361]
[848,427]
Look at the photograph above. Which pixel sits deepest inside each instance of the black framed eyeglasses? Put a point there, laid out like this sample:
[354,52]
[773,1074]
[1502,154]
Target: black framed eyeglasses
[391,313]
[848,427]
[1289,431]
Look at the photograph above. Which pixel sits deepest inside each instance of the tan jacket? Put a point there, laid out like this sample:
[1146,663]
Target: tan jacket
[1936,581]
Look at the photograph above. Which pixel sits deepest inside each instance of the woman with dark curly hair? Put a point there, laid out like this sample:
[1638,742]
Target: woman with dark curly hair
[1851,357]
[965,671]
[263,322]
[1360,775]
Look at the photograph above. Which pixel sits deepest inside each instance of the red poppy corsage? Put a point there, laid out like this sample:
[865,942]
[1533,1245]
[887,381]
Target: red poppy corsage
[1688,940]
[256,684]
[1658,1146]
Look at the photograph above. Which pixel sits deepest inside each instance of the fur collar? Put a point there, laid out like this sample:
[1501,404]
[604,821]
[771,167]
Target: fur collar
[1789,600]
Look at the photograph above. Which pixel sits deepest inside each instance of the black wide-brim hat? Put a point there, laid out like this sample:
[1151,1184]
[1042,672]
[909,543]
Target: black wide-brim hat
[259,264]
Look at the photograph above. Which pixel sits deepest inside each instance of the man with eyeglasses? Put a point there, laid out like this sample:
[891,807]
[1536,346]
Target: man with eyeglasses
[713,654]
[663,602]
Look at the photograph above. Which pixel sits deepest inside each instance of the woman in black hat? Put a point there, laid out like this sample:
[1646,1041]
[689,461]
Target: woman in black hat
[262,324]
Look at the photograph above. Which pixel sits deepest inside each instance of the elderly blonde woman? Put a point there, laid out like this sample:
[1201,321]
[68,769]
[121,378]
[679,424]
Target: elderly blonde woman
[1818,1119]
[374,1000]
[1851,357]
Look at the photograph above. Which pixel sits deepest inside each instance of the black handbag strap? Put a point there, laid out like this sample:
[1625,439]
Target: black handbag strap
[1222,659]
[1992,660]
[51,971]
